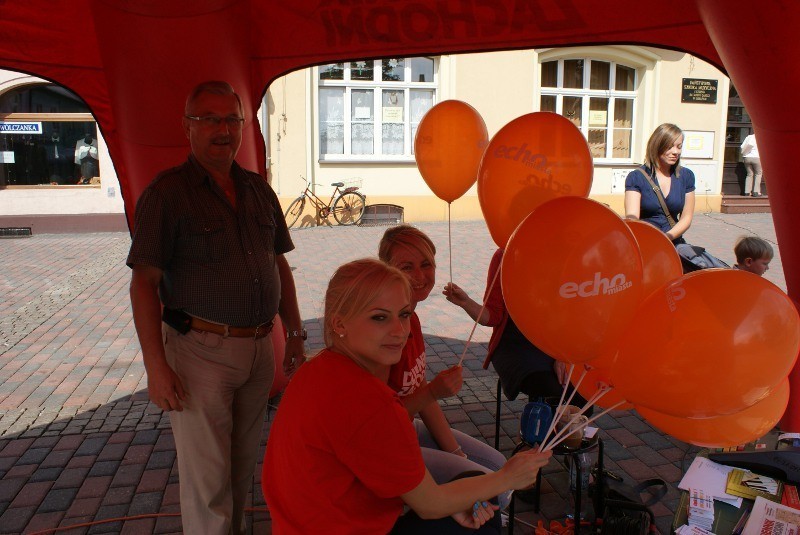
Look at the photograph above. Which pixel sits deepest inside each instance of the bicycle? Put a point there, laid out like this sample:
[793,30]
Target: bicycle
[347,204]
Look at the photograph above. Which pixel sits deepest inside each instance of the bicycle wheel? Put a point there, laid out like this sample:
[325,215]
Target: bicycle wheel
[349,207]
[295,209]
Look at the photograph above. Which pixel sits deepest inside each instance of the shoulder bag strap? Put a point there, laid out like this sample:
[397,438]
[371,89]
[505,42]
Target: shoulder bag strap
[659,196]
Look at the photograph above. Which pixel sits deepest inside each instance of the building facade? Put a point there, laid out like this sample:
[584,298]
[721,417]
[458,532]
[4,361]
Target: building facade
[355,122]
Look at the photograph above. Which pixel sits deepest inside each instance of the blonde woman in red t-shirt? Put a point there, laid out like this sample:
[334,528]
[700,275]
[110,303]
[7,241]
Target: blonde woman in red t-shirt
[342,455]
[447,452]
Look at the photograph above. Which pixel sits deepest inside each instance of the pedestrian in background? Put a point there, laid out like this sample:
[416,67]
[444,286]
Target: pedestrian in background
[752,163]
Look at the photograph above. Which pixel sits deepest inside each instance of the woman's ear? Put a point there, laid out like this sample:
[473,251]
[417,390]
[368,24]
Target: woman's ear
[337,324]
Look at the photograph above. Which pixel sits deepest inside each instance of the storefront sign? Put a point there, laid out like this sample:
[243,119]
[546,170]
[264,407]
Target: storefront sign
[20,128]
[699,90]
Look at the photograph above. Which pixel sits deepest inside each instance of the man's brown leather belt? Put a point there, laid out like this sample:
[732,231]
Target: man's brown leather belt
[259,331]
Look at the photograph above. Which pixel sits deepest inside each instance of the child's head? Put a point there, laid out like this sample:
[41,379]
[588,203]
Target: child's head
[753,254]
[364,298]
[411,251]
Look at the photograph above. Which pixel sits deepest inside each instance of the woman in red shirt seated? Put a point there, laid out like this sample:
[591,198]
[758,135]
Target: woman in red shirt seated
[446,451]
[342,455]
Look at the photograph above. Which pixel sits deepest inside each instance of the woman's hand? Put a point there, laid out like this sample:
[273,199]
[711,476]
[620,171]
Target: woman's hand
[455,294]
[521,469]
[474,518]
[447,383]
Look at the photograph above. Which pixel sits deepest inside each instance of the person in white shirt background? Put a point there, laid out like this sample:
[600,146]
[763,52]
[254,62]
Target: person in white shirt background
[752,162]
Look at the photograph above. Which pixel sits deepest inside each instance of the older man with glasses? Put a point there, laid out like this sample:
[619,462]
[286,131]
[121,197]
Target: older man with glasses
[208,246]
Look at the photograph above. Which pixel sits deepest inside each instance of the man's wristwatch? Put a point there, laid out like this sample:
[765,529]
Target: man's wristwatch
[297,334]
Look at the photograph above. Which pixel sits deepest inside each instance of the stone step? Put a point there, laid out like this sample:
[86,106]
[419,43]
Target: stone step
[739,204]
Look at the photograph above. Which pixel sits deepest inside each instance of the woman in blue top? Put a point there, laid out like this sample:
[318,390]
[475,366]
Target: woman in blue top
[662,164]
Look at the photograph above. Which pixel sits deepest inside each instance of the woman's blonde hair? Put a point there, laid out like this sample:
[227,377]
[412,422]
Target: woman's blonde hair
[407,236]
[660,141]
[354,286]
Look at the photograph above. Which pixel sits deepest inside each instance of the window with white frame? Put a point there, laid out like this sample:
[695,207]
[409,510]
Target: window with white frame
[371,109]
[598,96]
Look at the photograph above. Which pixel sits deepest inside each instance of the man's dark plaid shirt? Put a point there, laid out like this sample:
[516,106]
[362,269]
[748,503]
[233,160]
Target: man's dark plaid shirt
[218,263]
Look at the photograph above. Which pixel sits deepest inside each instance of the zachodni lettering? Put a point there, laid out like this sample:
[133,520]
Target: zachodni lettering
[361,22]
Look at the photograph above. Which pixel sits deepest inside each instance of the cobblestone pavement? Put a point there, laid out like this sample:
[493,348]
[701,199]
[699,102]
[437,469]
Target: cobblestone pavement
[79,442]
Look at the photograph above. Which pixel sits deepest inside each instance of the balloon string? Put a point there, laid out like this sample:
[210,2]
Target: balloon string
[480,314]
[450,242]
[589,403]
[559,410]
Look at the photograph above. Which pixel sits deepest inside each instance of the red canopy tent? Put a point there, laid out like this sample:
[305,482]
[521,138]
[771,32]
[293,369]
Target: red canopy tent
[133,62]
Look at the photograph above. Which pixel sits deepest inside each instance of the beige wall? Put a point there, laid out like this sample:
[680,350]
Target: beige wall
[501,86]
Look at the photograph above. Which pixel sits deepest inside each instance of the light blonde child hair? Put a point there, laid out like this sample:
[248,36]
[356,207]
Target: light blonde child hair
[354,286]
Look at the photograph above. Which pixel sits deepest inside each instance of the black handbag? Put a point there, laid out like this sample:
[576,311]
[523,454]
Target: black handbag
[618,502]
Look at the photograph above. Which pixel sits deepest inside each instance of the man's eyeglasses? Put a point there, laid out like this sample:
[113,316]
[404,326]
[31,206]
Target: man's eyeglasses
[233,122]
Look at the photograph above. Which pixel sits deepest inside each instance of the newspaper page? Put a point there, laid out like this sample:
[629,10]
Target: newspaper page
[770,518]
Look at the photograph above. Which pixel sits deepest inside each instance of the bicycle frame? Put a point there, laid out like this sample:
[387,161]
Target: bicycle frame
[322,207]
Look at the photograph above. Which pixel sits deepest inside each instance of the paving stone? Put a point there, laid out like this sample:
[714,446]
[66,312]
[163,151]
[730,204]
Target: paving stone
[42,521]
[14,519]
[145,503]
[31,494]
[34,456]
[46,474]
[104,468]
[57,500]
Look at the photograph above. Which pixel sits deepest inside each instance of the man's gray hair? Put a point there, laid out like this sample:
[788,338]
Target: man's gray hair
[215,87]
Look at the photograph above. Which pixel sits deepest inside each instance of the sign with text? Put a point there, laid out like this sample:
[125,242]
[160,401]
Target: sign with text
[699,90]
[21,128]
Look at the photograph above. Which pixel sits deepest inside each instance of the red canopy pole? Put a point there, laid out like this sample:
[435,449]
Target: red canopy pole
[758,48]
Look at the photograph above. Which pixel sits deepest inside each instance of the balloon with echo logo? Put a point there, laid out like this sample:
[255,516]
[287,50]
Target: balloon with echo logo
[572,278]
[710,343]
[725,431]
[531,160]
[448,146]
[660,261]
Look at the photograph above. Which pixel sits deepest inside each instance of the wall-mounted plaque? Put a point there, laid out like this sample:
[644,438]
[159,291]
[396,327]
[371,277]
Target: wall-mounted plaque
[699,90]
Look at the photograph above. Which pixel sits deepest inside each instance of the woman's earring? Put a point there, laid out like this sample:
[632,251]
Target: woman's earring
[341,335]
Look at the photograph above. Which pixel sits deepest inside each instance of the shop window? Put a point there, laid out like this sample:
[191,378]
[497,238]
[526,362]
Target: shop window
[598,96]
[371,109]
[47,137]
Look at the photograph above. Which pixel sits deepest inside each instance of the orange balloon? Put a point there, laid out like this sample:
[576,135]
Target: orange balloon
[531,160]
[725,431]
[572,278]
[712,342]
[660,261]
[595,379]
[448,146]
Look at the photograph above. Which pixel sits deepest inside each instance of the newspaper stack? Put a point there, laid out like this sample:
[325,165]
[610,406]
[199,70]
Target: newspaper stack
[701,509]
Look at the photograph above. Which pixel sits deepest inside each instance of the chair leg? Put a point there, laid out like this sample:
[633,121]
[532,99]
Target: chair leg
[511,514]
[497,417]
